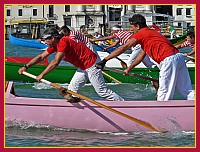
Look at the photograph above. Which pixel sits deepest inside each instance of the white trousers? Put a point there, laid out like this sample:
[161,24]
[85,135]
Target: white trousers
[174,74]
[173,33]
[96,78]
[135,51]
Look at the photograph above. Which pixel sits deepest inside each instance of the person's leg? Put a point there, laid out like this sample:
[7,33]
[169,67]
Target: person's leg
[167,79]
[184,85]
[79,79]
[96,78]
[172,34]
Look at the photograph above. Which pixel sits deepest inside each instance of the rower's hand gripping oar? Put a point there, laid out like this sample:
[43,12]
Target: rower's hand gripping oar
[143,123]
[124,65]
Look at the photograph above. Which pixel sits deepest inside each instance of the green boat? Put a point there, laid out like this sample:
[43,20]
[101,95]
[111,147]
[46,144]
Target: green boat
[63,74]
[178,40]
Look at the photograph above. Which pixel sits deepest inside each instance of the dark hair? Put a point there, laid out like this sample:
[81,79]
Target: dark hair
[117,26]
[191,34]
[65,29]
[138,19]
[53,32]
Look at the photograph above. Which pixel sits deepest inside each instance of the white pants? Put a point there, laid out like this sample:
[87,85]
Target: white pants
[173,33]
[96,78]
[135,51]
[174,74]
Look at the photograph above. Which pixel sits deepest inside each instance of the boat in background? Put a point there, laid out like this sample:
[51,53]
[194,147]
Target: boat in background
[35,44]
[178,40]
[167,115]
[27,43]
[64,73]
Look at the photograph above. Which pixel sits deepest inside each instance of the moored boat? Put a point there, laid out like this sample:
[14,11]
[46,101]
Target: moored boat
[166,115]
[27,43]
[35,44]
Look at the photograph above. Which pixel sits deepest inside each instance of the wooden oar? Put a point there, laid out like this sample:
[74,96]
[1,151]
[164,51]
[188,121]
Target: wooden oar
[190,57]
[143,123]
[117,81]
[124,65]
[131,74]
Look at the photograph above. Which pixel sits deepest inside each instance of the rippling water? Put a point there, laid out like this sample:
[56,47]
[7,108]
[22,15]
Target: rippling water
[32,135]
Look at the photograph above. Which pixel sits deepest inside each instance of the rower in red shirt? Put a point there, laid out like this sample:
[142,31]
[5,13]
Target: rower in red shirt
[155,27]
[122,37]
[173,71]
[77,54]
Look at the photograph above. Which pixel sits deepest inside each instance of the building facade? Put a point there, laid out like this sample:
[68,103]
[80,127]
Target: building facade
[33,19]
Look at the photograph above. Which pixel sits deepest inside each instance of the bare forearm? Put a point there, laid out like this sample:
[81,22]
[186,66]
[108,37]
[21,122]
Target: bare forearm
[137,60]
[103,38]
[192,52]
[52,65]
[121,49]
[35,60]
[116,53]
[178,46]
[113,45]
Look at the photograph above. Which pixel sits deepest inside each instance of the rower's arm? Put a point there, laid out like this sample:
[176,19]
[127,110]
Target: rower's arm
[114,44]
[131,43]
[103,38]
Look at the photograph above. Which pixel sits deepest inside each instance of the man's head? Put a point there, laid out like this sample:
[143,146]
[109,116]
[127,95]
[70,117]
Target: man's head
[65,30]
[137,22]
[190,37]
[116,29]
[50,35]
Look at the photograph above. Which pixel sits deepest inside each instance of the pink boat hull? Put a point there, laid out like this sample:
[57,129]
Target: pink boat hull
[175,115]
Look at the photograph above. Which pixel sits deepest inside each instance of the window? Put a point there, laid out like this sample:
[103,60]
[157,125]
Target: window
[67,8]
[19,12]
[188,24]
[8,12]
[67,21]
[51,10]
[179,11]
[179,24]
[188,11]
[114,14]
[34,12]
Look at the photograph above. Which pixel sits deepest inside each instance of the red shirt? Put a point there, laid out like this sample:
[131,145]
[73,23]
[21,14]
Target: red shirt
[156,27]
[157,46]
[76,53]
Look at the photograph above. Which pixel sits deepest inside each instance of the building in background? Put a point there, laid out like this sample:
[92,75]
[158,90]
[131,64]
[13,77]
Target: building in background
[29,21]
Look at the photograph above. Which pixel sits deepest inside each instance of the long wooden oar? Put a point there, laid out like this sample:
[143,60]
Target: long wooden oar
[124,65]
[143,123]
[106,74]
[190,57]
[132,74]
